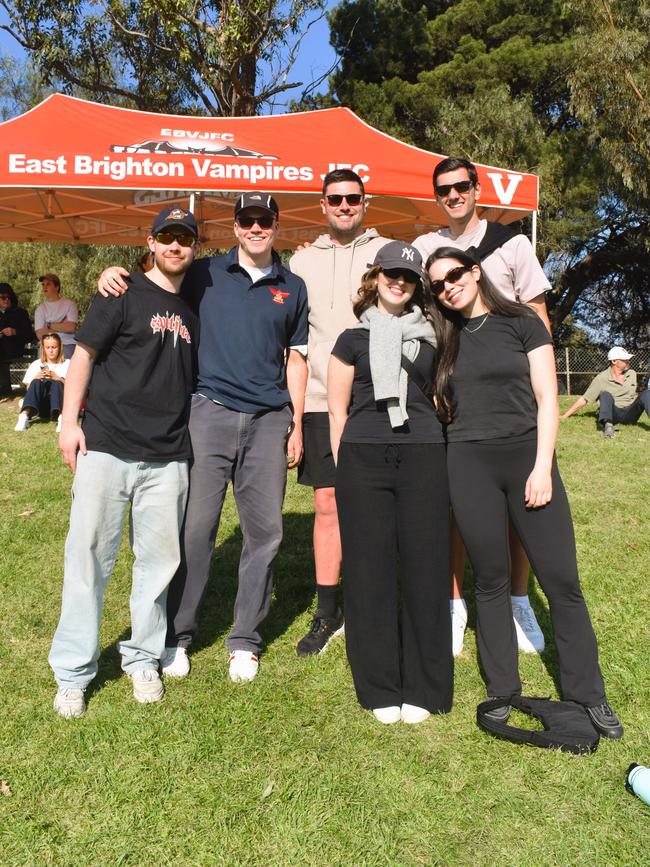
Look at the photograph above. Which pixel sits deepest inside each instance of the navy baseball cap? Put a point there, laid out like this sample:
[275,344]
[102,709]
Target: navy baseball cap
[398,255]
[175,216]
[264,201]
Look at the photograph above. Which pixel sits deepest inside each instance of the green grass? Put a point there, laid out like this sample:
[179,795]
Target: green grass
[289,770]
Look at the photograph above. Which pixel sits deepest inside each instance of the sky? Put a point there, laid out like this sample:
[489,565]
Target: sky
[316,56]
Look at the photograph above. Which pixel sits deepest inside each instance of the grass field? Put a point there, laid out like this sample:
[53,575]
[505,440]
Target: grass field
[289,770]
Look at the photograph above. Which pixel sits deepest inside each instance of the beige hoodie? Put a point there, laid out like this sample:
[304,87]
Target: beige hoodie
[332,274]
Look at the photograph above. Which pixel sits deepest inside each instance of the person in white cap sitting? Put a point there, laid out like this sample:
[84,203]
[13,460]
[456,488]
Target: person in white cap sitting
[616,391]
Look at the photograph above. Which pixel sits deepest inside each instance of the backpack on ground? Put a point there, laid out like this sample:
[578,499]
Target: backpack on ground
[567,726]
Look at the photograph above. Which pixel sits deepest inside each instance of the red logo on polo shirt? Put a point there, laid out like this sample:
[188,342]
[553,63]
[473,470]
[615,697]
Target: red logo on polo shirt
[278,295]
[174,324]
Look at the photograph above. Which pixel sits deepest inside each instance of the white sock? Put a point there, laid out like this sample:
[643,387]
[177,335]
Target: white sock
[520,600]
[455,604]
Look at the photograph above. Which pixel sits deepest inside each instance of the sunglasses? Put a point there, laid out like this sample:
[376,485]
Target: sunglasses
[453,276]
[443,190]
[4,297]
[336,200]
[247,222]
[170,237]
[396,273]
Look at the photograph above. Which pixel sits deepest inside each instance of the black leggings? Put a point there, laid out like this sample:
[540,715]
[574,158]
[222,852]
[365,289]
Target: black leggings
[393,500]
[487,483]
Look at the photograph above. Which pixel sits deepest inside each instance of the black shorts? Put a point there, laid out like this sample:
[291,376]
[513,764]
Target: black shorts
[317,469]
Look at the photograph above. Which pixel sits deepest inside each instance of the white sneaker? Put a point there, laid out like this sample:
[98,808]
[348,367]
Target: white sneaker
[147,685]
[70,702]
[23,421]
[58,423]
[458,624]
[387,715]
[243,665]
[530,637]
[412,714]
[175,662]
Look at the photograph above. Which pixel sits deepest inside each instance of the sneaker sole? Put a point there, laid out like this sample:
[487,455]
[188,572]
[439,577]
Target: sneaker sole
[338,632]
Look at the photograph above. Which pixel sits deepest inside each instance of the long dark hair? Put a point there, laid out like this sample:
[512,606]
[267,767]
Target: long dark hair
[448,324]
[368,294]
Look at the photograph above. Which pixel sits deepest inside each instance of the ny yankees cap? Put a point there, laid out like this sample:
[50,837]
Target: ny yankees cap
[257,200]
[175,216]
[398,255]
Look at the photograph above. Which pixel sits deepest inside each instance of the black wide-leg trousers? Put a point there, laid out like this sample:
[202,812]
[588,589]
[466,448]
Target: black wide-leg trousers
[487,483]
[393,507]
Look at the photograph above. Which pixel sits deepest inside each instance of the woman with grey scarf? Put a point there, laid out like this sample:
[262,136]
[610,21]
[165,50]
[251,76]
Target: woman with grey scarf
[391,495]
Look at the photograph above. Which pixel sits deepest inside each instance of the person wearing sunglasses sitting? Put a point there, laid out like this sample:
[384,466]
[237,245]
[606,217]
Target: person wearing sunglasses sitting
[510,264]
[245,424]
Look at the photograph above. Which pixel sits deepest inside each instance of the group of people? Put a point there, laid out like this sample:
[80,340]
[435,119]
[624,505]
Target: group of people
[55,322]
[396,385]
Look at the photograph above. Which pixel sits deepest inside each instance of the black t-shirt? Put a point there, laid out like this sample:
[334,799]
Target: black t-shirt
[138,399]
[368,419]
[493,397]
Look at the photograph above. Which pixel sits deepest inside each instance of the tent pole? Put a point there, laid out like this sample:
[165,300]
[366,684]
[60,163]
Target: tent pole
[192,202]
[533,231]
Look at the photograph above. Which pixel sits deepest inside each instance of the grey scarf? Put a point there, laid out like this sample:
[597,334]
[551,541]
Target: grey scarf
[390,336]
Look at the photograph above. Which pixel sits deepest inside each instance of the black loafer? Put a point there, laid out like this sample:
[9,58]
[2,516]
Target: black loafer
[605,721]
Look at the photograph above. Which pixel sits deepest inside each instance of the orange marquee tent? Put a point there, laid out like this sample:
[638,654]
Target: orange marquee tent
[77,171]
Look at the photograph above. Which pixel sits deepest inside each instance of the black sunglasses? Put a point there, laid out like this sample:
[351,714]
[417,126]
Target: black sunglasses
[353,199]
[453,276]
[170,237]
[247,222]
[443,190]
[396,273]
[4,297]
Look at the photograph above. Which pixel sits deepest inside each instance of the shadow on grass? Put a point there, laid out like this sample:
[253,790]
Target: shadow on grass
[294,584]
[294,588]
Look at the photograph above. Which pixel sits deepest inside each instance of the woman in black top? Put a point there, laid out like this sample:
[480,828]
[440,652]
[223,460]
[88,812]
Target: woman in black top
[496,389]
[391,495]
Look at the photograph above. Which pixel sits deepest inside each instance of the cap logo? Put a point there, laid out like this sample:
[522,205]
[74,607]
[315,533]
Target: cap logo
[408,254]
[178,214]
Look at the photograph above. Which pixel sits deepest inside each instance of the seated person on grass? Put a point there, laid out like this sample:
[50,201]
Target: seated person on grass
[615,391]
[44,379]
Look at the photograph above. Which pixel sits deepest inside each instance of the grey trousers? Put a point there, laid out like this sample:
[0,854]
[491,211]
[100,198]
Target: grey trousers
[249,450]
[630,415]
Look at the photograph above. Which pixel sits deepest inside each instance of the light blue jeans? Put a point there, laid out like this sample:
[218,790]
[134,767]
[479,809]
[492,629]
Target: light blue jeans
[103,488]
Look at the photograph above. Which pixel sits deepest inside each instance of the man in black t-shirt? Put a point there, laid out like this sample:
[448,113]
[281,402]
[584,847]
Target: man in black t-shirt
[134,367]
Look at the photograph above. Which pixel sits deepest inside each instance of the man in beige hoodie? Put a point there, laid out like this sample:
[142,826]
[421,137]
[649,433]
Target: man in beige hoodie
[332,268]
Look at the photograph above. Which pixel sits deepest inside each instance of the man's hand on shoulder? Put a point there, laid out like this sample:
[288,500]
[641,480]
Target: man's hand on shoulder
[111,281]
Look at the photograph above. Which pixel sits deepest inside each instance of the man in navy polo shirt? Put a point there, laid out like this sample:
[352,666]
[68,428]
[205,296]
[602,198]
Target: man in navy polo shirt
[245,425]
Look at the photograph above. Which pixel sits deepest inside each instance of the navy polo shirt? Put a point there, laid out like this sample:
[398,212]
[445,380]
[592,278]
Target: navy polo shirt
[246,329]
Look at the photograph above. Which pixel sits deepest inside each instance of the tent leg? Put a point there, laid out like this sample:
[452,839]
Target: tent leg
[533,231]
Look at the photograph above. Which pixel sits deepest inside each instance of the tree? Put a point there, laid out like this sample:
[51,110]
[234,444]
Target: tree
[508,82]
[225,57]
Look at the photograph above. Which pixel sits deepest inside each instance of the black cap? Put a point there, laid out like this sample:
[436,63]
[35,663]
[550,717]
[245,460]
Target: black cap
[257,200]
[397,254]
[175,216]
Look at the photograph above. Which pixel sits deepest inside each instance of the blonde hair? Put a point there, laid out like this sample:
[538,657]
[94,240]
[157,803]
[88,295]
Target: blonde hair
[51,335]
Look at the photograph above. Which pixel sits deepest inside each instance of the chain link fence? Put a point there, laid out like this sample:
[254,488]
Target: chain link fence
[577,367]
